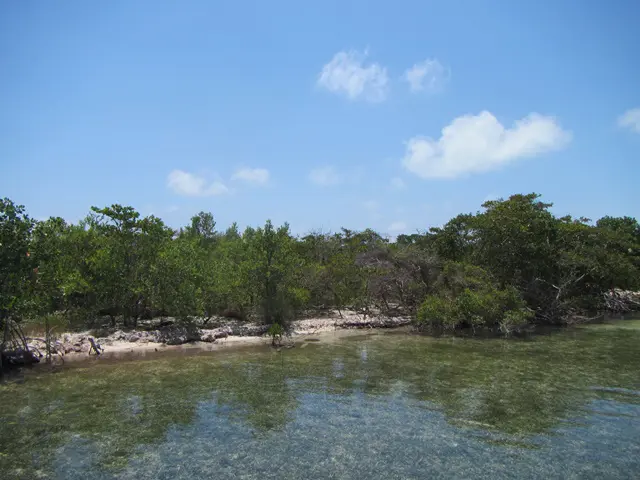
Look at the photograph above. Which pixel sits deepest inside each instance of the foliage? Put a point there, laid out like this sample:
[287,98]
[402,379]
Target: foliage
[562,267]
[468,297]
[275,332]
[15,261]
[511,263]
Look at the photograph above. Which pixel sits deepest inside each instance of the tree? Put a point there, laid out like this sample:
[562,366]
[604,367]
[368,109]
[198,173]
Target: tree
[273,272]
[627,226]
[48,251]
[516,239]
[203,227]
[455,240]
[477,269]
[470,297]
[16,266]
[127,248]
[173,289]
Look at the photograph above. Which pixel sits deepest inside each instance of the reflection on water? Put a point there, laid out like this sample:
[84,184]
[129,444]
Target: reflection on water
[564,405]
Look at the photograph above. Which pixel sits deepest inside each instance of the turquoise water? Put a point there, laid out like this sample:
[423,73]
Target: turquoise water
[563,405]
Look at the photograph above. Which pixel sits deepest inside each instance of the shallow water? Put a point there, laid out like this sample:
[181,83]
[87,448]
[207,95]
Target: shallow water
[563,405]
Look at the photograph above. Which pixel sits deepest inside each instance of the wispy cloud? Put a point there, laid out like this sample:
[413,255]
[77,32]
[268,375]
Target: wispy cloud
[325,176]
[192,185]
[256,176]
[428,76]
[479,143]
[173,208]
[630,120]
[348,75]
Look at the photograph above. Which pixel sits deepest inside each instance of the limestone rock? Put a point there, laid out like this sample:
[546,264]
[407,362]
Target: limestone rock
[179,334]
[214,334]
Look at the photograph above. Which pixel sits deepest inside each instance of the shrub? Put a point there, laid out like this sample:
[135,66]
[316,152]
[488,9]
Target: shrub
[275,332]
[470,299]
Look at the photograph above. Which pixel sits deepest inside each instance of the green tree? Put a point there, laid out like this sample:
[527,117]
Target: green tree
[203,227]
[16,266]
[127,247]
[470,297]
[48,250]
[273,265]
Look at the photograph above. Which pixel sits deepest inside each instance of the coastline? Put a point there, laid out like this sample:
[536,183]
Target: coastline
[178,338]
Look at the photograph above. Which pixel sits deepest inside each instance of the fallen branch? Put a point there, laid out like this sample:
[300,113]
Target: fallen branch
[95,347]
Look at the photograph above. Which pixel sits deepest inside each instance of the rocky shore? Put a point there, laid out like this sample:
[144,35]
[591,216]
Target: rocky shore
[171,332]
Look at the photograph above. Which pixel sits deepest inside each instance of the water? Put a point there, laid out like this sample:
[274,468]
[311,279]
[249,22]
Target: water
[564,405]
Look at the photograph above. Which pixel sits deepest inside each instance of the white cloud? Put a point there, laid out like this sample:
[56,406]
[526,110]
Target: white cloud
[397,183]
[173,208]
[325,176]
[370,204]
[346,74]
[430,76]
[259,176]
[479,143]
[191,185]
[398,226]
[631,120]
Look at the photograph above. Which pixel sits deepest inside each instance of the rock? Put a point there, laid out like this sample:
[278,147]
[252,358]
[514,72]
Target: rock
[118,335]
[19,357]
[179,334]
[208,336]
[216,333]
[223,332]
[248,329]
[134,337]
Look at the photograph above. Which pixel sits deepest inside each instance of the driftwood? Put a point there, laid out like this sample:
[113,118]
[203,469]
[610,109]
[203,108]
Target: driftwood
[14,350]
[95,347]
[622,301]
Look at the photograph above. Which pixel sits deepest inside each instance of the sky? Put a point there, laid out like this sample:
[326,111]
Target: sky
[390,115]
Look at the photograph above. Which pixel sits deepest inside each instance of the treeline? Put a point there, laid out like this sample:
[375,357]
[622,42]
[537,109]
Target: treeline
[511,263]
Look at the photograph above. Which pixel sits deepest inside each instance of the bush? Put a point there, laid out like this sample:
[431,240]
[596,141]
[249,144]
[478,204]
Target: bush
[437,311]
[472,300]
[275,332]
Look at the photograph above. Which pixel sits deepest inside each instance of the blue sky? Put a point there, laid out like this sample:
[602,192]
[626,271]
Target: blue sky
[390,115]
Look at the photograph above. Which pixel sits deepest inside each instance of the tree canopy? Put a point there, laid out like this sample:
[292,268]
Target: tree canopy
[510,263]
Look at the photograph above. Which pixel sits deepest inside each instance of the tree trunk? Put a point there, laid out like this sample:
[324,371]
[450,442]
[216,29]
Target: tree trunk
[47,339]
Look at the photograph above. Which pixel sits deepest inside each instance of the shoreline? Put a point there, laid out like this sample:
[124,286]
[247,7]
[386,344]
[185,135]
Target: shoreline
[178,338]
[186,338]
